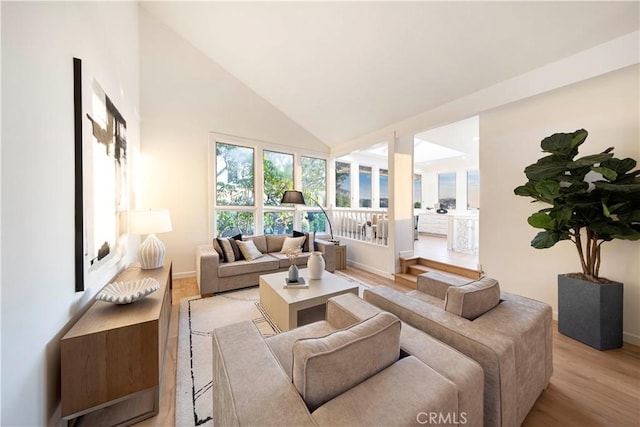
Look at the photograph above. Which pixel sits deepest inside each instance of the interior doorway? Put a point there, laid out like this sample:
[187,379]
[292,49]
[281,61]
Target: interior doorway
[447,193]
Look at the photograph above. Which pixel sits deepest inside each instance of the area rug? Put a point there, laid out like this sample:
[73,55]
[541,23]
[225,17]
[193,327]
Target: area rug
[198,317]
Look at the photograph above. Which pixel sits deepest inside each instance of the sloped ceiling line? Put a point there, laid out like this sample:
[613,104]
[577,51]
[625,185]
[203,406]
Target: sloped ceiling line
[342,70]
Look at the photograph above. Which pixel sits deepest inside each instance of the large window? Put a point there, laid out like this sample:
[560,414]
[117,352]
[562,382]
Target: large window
[280,222]
[234,188]
[278,176]
[343,185]
[384,188]
[417,191]
[364,179]
[314,188]
[229,223]
[314,221]
[447,190]
[473,189]
[234,175]
[314,179]
[237,205]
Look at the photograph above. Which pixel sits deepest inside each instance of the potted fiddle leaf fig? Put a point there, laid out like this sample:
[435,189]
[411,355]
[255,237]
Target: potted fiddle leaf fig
[590,200]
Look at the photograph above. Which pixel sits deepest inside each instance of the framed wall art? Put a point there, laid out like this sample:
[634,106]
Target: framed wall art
[101,181]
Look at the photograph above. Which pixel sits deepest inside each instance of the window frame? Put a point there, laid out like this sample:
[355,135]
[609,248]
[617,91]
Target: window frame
[293,172]
[380,175]
[455,187]
[215,173]
[417,177]
[360,166]
[349,181]
[477,172]
[259,208]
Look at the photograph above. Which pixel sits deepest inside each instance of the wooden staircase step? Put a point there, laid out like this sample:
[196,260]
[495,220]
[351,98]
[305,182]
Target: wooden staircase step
[412,267]
[417,269]
[448,268]
[409,280]
[417,266]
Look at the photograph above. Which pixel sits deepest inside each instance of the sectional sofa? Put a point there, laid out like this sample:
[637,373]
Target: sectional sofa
[510,336]
[454,348]
[360,367]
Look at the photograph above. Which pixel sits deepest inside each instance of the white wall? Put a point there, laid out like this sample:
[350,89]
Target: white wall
[184,96]
[613,55]
[607,107]
[401,218]
[39,303]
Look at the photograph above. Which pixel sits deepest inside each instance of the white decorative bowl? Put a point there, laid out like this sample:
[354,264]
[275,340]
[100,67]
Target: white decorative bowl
[128,292]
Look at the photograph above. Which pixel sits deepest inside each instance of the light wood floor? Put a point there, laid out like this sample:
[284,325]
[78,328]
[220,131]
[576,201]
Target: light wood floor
[435,248]
[588,387]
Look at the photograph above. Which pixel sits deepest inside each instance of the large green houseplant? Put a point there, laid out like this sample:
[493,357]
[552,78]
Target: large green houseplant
[591,200]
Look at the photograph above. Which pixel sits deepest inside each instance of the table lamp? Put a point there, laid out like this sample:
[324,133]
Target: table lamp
[151,251]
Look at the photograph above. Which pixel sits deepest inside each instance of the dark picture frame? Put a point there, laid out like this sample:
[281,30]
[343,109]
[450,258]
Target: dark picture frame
[78,171]
[101,180]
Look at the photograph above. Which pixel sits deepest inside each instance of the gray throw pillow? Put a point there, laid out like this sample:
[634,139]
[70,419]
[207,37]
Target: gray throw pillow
[326,367]
[473,300]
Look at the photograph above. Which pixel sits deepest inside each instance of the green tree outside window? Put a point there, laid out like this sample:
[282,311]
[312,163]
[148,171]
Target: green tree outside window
[230,223]
[343,185]
[278,176]
[234,175]
[278,222]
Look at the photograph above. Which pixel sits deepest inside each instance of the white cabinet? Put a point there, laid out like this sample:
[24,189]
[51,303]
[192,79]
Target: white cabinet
[433,223]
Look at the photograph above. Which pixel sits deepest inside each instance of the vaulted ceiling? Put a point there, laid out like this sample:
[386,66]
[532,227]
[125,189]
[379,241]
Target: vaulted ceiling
[344,69]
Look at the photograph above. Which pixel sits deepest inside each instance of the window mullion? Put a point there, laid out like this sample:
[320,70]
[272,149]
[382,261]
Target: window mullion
[297,185]
[259,186]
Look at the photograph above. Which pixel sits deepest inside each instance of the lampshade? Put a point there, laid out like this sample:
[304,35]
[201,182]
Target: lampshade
[149,221]
[293,197]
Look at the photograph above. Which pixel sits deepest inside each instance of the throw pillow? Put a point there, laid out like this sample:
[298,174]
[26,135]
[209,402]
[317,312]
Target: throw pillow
[436,284]
[225,244]
[292,243]
[473,300]
[305,246]
[249,250]
[326,367]
[218,249]
[236,250]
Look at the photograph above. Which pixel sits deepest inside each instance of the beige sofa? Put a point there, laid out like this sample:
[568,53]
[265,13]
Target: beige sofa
[361,366]
[508,335]
[215,276]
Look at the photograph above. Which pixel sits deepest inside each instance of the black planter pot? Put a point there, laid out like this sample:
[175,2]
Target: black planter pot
[590,313]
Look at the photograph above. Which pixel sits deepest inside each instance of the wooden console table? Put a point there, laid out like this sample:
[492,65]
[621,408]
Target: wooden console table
[113,355]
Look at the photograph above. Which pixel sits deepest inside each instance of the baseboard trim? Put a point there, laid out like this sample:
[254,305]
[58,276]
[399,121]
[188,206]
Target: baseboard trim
[184,275]
[631,338]
[370,270]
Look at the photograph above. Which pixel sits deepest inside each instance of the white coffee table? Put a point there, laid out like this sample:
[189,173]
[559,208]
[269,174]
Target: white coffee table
[285,306]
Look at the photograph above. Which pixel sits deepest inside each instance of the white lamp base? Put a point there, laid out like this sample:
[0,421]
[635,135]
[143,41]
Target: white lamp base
[151,253]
